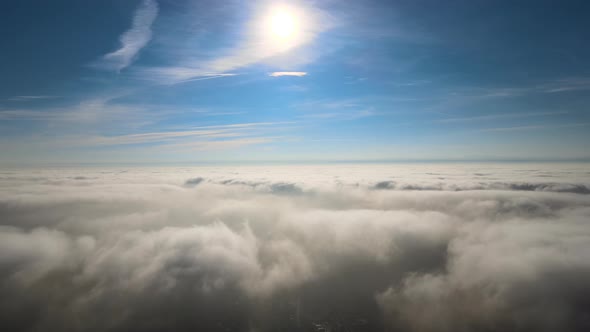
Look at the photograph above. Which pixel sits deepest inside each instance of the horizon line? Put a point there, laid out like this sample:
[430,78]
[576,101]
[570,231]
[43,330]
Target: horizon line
[287,162]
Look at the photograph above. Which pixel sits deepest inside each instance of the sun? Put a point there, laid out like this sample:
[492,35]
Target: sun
[283,23]
[280,27]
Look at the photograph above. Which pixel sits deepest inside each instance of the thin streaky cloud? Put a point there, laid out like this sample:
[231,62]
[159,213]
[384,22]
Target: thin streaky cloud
[533,127]
[246,125]
[341,115]
[176,75]
[134,39]
[26,98]
[158,137]
[499,116]
[288,73]
[178,137]
[222,144]
[26,114]
[89,112]
[331,104]
[568,84]
[209,77]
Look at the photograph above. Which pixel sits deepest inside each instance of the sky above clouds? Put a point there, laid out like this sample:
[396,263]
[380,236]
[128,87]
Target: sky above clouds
[190,81]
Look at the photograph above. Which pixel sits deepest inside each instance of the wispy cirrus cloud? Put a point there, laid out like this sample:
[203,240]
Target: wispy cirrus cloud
[568,84]
[552,86]
[28,98]
[288,73]
[216,135]
[30,115]
[499,116]
[223,144]
[345,109]
[535,127]
[174,75]
[134,39]
[90,112]
[349,115]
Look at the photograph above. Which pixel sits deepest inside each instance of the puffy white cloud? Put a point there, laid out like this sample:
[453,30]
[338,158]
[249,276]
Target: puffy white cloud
[369,247]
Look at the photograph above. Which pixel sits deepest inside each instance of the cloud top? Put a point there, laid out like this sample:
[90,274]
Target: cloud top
[368,247]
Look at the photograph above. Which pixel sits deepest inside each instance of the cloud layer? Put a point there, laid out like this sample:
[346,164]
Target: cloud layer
[356,248]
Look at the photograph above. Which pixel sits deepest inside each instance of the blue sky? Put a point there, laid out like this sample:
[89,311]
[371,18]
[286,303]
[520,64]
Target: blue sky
[189,81]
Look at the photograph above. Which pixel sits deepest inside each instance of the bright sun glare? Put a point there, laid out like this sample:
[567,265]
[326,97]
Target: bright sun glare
[283,25]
